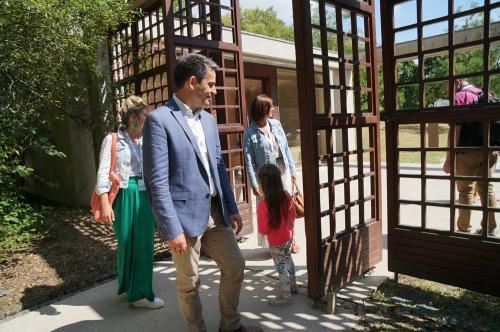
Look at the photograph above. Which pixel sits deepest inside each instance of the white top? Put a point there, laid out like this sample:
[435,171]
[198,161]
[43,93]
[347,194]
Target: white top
[136,155]
[273,145]
[271,142]
[194,122]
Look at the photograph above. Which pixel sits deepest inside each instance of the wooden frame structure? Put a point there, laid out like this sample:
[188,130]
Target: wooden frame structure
[343,199]
[439,253]
[343,203]
[142,57]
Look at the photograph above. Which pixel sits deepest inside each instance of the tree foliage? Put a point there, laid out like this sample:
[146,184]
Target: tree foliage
[264,22]
[47,50]
[465,62]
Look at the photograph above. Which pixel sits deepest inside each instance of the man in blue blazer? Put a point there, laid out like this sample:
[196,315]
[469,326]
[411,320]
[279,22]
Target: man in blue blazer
[190,194]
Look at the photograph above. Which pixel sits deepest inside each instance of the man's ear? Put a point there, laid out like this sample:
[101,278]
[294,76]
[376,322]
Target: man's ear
[192,82]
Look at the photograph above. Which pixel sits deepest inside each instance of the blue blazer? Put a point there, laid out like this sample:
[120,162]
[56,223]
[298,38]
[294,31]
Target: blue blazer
[176,181]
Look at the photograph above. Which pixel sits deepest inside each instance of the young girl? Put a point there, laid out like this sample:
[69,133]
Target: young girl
[275,217]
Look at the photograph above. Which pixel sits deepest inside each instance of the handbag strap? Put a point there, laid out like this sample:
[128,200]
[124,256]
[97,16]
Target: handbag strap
[113,153]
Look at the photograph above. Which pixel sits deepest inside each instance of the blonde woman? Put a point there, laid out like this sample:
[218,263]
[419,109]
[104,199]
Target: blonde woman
[131,213]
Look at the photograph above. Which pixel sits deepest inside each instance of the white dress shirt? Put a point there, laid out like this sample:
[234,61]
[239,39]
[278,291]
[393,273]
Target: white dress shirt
[194,122]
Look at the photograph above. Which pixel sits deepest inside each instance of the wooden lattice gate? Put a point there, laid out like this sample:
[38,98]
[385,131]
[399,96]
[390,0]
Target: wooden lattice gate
[338,102]
[143,54]
[427,45]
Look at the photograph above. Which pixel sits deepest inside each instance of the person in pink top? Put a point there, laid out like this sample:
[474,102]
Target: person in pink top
[275,218]
[470,163]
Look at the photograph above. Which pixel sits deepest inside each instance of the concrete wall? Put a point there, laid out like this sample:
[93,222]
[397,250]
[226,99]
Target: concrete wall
[70,181]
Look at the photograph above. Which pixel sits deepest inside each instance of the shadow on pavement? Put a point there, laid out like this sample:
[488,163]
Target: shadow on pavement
[99,309]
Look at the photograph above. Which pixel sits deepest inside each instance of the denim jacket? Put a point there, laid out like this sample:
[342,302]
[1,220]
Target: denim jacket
[123,162]
[257,153]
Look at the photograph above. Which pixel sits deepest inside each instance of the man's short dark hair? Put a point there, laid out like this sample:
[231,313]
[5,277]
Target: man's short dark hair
[192,64]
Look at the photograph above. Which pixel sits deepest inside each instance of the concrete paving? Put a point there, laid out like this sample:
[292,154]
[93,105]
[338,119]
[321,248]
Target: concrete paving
[100,309]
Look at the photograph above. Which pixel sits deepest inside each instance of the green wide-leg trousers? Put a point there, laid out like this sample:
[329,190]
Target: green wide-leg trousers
[134,230]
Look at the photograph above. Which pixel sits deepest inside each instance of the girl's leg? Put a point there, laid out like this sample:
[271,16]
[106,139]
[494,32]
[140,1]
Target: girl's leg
[290,266]
[278,255]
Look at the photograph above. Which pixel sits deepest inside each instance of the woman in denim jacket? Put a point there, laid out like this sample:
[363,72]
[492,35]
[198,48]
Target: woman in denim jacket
[131,213]
[265,143]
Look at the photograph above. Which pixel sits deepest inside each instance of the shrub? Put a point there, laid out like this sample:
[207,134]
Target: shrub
[49,54]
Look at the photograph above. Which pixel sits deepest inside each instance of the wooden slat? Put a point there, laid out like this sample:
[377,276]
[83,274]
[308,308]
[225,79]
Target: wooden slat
[445,263]
[469,261]
[353,254]
[447,243]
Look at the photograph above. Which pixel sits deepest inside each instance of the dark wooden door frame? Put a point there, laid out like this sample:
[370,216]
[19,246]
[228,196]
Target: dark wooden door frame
[265,73]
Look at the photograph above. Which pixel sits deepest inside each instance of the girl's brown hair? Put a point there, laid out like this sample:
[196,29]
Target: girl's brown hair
[277,200]
[260,107]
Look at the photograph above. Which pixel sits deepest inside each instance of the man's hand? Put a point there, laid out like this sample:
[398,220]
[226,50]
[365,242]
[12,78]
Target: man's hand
[446,166]
[237,223]
[256,191]
[178,244]
[294,178]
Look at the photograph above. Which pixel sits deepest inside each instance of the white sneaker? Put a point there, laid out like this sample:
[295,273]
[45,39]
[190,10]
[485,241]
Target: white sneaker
[144,303]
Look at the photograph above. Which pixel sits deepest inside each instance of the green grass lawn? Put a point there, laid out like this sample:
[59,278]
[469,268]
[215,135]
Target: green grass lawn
[409,137]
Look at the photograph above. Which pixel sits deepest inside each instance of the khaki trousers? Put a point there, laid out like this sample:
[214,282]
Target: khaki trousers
[220,243]
[471,164]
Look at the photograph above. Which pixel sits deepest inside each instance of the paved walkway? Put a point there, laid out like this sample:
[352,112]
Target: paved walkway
[100,309]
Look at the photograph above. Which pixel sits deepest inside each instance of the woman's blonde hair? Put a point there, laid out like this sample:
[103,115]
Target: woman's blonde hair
[132,102]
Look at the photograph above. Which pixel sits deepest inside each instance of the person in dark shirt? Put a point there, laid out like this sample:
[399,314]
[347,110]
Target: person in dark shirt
[470,163]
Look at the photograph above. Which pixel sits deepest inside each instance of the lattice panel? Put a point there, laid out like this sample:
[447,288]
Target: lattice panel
[122,54]
[143,60]
[122,69]
[341,55]
[462,38]
[225,106]
[139,60]
[347,186]
[232,153]
[428,45]
[122,92]
[152,58]
[151,41]
[209,20]
[433,46]
[339,123]
[154,89]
